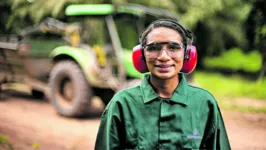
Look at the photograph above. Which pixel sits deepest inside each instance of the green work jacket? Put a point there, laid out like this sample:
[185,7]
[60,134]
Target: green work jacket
[136,118]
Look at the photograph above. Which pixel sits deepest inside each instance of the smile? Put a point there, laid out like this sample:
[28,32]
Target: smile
[164,66]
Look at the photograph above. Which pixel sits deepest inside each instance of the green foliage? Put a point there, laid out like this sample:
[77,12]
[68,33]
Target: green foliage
[231,86]
[39,9]
[167,4]
[223,29]
[4,139]
[35,145]
[4,142]
[263,30]
[193,11]
[255,30]
[5,7]
[255,24]
[234,59]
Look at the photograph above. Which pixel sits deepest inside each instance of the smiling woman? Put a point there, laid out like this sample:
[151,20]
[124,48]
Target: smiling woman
[163,112]
[168,62]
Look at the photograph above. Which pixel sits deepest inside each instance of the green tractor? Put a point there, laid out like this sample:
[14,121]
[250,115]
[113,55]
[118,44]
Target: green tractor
[88,56]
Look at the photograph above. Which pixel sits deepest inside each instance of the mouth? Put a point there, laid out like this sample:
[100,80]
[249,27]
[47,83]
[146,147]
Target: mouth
[163,66]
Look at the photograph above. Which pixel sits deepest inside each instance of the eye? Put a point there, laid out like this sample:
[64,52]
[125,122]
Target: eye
[174,47]
[153,47]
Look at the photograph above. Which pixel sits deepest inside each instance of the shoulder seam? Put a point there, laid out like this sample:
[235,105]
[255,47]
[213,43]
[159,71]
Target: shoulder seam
[202,89]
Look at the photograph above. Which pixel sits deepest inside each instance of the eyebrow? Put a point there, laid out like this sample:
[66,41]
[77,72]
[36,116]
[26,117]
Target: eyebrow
[157,43]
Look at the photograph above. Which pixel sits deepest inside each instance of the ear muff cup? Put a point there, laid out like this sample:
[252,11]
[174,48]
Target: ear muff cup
[138,60]
[190,60]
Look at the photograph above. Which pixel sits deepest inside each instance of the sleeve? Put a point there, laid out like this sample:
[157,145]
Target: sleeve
[221,134]
[108,136]
[217,137]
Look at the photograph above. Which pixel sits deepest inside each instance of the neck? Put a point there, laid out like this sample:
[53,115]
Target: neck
[164,87]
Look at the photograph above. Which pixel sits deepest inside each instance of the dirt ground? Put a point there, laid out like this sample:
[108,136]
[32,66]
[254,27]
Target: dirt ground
[34,124]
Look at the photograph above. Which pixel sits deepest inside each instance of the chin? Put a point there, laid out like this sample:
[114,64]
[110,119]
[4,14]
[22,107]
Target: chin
[165,76]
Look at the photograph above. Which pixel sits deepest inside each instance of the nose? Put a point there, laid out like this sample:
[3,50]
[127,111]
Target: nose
[163,55]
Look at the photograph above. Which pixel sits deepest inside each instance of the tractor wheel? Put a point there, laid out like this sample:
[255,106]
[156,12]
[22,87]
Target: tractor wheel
[70,92]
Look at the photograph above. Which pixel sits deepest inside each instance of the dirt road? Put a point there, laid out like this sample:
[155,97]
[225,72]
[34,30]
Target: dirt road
[33,124]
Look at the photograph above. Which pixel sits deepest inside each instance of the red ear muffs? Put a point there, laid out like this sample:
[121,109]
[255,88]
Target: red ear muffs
[138,60]
[189,65]
[190,61]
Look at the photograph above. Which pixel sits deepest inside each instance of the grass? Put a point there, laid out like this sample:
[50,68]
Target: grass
[227,88]
[4,142]
[35,145]
[4,139]
[249,109]
[231,86]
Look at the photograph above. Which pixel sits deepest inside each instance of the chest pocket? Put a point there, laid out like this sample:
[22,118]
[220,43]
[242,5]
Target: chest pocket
[191,141]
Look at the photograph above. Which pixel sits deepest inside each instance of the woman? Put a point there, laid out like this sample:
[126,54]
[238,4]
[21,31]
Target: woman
[163,112]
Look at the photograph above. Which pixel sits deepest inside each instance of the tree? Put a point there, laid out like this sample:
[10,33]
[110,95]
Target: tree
[256,31]
[217,24]
[5,8]
[39,9]
[36,10]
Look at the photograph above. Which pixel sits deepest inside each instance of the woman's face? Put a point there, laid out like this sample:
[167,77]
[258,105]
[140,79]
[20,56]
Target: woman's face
[164,58]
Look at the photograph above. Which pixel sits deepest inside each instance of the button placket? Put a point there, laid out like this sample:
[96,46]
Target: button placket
[163,122]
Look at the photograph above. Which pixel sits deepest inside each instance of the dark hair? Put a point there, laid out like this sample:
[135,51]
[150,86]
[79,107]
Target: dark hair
[168,24]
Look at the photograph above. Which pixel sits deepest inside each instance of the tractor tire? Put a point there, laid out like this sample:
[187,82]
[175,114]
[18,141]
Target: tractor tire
[69,90]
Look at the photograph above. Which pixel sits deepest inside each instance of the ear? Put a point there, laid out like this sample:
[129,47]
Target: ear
[190,60]
[139,60]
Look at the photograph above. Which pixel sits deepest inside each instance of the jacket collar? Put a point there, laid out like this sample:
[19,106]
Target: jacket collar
[179,96]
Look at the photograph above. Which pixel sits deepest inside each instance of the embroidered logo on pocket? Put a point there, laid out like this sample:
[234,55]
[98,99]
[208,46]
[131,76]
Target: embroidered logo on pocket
[195,135]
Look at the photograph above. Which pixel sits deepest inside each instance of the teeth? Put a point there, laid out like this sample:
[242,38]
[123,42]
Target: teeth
[164,66]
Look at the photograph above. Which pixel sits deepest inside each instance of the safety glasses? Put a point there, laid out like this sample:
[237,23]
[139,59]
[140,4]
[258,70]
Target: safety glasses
[173,49]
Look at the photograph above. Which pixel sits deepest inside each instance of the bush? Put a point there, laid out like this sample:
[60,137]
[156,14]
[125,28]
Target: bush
[235,60]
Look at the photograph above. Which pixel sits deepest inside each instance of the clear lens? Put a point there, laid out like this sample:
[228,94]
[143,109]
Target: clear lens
[173,49]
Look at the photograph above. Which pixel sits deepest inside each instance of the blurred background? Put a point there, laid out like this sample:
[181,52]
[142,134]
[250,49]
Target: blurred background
[230,36]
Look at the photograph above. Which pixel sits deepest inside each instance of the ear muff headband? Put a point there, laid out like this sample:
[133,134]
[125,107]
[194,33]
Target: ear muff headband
[187,33]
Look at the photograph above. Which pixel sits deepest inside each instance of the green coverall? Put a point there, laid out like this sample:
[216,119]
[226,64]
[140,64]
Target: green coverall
[136,118]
